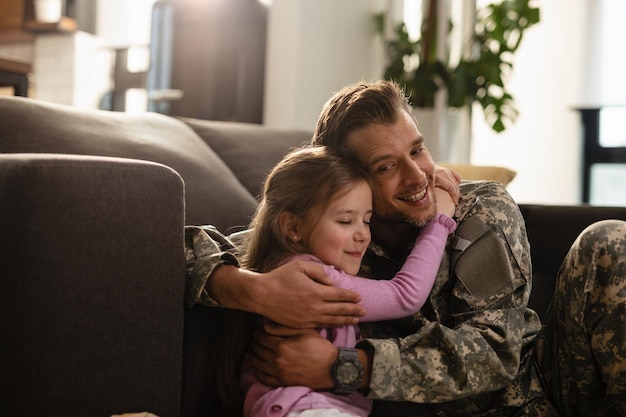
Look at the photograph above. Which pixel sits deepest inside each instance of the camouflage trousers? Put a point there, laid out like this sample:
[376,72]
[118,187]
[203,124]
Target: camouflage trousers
[581,350]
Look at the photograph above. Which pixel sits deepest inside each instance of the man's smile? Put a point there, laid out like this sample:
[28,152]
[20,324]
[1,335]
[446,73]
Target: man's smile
[415,197]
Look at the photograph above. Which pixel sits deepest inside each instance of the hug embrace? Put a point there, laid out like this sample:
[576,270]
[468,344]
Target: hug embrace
[470,346]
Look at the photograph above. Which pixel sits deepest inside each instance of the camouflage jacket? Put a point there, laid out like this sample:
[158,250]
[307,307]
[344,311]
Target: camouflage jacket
[469,349]
[205,249]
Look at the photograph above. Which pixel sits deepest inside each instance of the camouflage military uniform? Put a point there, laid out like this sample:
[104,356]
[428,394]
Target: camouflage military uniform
[582,347]
[205,249]
[472,350]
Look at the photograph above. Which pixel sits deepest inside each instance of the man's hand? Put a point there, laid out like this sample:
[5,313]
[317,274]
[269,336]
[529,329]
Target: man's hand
[302,359]
[297,294]
[283,356]
[448,180]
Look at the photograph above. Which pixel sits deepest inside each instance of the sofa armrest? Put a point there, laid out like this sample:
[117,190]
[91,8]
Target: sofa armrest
[551,231]
[92,284]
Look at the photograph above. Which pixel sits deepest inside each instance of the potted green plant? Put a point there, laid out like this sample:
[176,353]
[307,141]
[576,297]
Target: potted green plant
[480,73]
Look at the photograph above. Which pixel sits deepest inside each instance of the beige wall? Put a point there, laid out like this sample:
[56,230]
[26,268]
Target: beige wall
[544,145]
[314,48]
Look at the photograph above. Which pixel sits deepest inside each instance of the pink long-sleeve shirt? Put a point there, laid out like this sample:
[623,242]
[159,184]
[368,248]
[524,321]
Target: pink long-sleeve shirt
[399,297]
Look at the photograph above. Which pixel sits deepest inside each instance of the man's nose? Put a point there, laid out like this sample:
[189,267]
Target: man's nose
[412,174]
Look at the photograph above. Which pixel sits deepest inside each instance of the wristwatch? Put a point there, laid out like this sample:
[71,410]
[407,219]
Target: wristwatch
[347,371]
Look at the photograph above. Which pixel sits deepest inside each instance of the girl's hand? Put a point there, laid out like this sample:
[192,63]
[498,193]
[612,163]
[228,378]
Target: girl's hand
[448,180]
[447,190]
[445,204]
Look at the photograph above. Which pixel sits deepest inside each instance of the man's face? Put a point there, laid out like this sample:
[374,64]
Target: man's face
[402,167]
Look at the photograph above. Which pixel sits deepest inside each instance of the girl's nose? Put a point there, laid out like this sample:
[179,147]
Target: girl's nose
[362,234]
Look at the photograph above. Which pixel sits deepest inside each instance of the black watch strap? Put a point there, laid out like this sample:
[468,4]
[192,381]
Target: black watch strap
[347,371]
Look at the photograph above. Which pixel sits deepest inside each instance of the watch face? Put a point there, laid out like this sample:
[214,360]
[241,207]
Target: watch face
[347,373]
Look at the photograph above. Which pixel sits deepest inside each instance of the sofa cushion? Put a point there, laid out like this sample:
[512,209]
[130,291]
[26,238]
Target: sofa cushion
[32,126]
[247,162]
[502,175]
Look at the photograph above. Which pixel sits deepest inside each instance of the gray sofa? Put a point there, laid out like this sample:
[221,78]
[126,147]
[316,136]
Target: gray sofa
[92,209]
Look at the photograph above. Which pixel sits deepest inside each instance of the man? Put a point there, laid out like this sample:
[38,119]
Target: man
[475,348]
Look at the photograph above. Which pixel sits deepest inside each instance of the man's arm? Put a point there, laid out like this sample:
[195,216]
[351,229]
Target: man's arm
[298,294]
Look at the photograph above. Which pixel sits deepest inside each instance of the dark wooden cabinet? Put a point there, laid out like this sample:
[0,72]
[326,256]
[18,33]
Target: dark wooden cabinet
[14,74]
[214,53]
[12,17]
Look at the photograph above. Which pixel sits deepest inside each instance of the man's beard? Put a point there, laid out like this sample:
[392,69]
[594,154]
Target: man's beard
[420,221]
[404,218]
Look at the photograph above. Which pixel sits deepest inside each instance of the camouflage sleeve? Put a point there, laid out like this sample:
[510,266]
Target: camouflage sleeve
[205,249]
[470,337]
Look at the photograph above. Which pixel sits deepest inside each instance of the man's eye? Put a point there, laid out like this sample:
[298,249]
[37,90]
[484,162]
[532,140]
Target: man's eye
[384,168]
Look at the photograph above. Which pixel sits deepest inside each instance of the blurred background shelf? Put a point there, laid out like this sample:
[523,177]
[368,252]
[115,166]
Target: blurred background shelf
[18,23]
[66,24]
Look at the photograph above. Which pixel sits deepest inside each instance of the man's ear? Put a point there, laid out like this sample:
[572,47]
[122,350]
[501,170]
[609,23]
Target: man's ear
[290,225]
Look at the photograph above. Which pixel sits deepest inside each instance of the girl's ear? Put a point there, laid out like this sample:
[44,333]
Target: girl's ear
[290,225]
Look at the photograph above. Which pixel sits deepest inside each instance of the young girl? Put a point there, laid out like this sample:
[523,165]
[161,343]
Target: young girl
[317,207]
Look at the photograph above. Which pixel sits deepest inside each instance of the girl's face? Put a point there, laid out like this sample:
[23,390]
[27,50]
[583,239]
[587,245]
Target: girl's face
[341,234]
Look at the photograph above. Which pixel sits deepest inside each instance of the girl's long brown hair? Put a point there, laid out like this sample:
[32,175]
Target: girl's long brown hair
[303,183]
